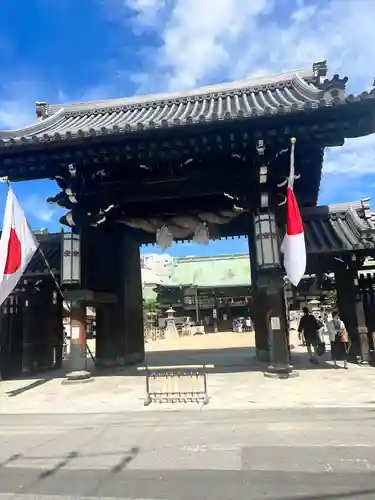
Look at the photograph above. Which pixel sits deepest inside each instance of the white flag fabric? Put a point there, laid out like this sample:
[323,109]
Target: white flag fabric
[293,246]
[17,246]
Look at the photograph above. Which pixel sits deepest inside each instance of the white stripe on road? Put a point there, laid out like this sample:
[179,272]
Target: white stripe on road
[27,496]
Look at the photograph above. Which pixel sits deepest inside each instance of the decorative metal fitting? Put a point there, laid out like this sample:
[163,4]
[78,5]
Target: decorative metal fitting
[260,147]
[72,170]
[283,199]
[41,110]
[263,174]
[264,200]
[286,179]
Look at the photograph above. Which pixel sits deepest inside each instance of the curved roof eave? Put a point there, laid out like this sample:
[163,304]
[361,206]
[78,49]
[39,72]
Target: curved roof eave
[286,93]
[119,109]
[36,128]
[247,83]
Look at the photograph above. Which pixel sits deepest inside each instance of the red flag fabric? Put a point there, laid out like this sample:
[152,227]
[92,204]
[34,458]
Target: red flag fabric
[14,257]
[17,246]
[293,246]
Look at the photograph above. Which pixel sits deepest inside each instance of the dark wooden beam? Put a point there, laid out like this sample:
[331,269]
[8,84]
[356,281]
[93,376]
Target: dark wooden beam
[169,208]
[173,189]
[320,128]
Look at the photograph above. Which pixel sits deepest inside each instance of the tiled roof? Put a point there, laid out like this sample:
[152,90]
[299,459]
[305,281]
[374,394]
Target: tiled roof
[283,93]
[50,243]
[338,228]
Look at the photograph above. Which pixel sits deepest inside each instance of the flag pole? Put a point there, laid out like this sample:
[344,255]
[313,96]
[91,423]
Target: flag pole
[6,181]
[37,246]
[42,254]
[292,174]
[57,284]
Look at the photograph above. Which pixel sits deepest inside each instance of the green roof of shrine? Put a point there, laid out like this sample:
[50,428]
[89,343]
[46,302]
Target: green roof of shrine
[218,271]
[214,271]
[290,92]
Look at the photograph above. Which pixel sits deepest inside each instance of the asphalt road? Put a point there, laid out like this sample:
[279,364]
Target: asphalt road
[309,454]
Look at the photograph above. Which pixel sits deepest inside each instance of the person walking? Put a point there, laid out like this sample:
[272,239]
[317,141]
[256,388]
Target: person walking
[309,326]
[339,338]
[321,330]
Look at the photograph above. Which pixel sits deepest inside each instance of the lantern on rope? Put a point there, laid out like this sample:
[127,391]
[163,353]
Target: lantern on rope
[164,238]
[202,235]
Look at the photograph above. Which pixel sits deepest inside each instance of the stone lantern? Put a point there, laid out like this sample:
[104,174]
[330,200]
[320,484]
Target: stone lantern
[170,329]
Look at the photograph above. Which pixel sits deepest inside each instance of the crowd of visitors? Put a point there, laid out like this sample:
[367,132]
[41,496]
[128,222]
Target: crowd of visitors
[242,325]
[311,332]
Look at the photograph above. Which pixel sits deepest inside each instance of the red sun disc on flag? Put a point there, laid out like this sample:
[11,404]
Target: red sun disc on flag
[14,257]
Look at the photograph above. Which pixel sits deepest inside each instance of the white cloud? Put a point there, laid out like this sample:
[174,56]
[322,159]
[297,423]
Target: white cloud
[17,108]
[356,158]
[194,42]
[239,37]
[37,207]
[202,41]
[15,114]
[148,12]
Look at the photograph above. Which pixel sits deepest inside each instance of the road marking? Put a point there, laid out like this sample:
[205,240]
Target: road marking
[27,496]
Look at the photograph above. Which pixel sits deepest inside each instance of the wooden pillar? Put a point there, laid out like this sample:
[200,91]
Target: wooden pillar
[346,304]
[351,310]
[132,348]
[276,318]
[370,282]
[366,283]
[106,351]
[259,306]
[101,272]
[56,328]
[78,361]
[11,337]
[42,336]
[32,346]
[5,332]
[259,318]
[271,329]
[112,265]
[361,321]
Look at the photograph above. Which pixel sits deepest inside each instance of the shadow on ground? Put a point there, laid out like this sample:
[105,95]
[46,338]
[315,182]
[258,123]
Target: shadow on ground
[224,360]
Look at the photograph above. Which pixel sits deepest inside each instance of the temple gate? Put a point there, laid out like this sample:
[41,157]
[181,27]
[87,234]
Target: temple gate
[31,326]
[214,158]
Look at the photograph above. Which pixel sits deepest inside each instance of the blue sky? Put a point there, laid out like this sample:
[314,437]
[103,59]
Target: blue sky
[70,50]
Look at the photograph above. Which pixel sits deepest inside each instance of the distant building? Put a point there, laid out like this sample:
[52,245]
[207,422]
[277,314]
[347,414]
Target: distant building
[201,288]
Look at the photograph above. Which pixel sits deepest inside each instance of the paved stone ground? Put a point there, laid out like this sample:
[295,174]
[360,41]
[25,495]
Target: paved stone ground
[312,454]
[236,382]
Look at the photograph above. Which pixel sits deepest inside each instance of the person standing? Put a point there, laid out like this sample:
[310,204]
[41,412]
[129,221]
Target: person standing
[321,330]
[309,326]
[339,338]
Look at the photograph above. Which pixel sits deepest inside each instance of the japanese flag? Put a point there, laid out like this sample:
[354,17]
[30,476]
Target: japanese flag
[293,246]
[17,246]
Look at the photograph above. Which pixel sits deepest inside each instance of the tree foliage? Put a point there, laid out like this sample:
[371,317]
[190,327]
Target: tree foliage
[151,307]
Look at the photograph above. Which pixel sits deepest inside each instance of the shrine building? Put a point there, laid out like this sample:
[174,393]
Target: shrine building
[213,159]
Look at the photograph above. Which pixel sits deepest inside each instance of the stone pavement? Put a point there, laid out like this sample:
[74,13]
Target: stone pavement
[312,454]
[237,382]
